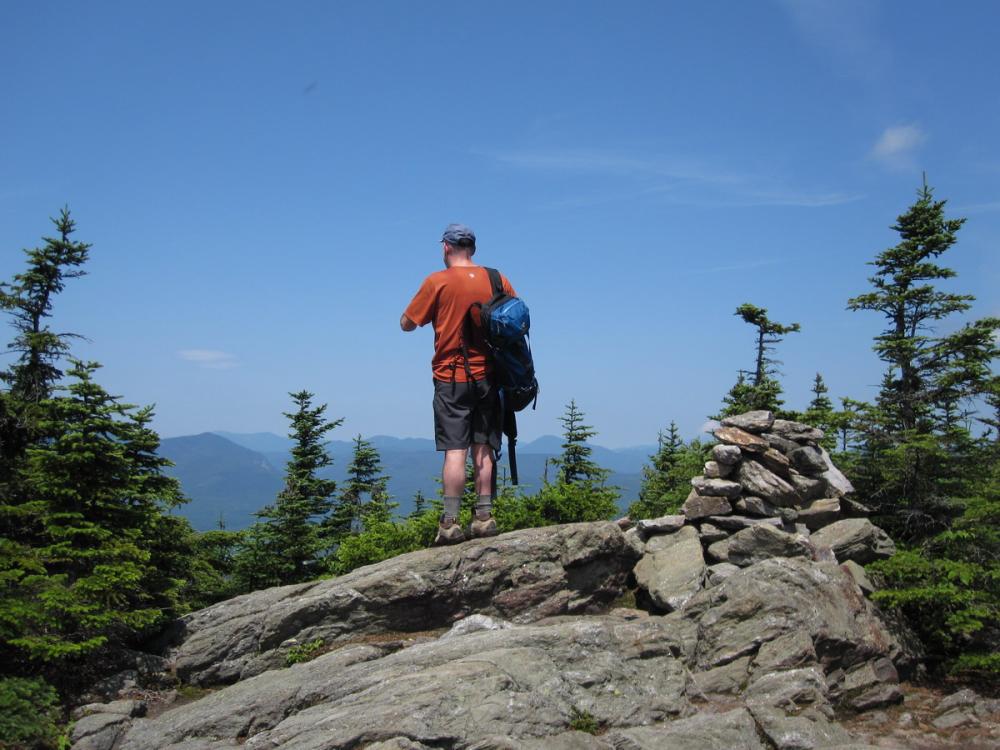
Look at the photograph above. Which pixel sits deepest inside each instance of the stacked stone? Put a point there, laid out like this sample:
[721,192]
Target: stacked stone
[768,475]
[769,490]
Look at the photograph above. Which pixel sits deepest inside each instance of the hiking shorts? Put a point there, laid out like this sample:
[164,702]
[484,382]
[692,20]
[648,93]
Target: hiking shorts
[466,413]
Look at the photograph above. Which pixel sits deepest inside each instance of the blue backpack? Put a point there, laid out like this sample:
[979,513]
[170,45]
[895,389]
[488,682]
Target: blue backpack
[504,322]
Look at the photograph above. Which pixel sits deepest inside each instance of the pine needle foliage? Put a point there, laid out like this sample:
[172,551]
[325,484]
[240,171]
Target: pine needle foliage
[910,470]
[30,715]
[666,478]
[91,555]
[949,586]
[81,570]
[365,494]
[575,463]
[29,300]
[758,388]
[579,493]
[934,484]
[290,541]
[820,413]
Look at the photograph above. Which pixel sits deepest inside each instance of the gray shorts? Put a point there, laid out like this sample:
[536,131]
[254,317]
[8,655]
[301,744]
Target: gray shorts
[466,413]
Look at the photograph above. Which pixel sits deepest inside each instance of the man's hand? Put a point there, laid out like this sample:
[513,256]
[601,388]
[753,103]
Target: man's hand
[406,324]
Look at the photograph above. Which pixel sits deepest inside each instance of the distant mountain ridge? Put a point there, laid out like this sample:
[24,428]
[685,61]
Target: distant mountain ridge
[230,476]
[224,481]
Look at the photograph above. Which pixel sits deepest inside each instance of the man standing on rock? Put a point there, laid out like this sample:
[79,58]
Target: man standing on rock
[466,403]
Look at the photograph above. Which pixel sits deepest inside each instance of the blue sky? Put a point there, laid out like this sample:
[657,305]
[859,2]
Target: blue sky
[264,185]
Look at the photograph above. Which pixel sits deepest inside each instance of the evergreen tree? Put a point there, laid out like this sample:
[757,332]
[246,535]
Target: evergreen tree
[769,334]
[821,403]
[909,469]
[667,483]
[992,401]
[291,539]
[579,493]
[254,559]
[820,413]
[758,388]
[657,480]
[949,586]
[28,299]
[81,570]
[575,464]
[419,504]
[365,493]
[741,398]
[212,566]
[90,555]
[933,483]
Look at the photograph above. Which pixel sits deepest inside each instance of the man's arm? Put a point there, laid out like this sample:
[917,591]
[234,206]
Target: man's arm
[420,311]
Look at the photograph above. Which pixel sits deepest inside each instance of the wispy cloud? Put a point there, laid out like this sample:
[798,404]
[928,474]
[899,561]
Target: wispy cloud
[897,145]
[609,162]
[211,359]
[682,181]
[789,197]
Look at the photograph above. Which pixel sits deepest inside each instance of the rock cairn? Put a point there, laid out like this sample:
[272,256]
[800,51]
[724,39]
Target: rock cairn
[769,490]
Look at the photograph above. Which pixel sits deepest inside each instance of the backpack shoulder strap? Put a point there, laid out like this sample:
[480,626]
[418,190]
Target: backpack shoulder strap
[495,280]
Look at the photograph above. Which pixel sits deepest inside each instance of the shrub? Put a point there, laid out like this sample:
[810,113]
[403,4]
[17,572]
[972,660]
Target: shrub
[303,652]
[583,721]
[29,715]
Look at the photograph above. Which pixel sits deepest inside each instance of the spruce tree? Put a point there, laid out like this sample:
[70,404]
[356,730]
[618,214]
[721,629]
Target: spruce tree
[28,299]
[820,413]
[740,399]
[934,483]
[575,464]
[909,469]
[363,494]
[666,480]
[758,388]
[89,554]
[820,403]
[419,505]
[769,334]
[657,482]
[81,570]
[292,535]
[579,493]
[992,417]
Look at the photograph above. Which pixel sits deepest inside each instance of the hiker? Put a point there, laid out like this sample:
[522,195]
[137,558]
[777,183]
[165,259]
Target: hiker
[466,403]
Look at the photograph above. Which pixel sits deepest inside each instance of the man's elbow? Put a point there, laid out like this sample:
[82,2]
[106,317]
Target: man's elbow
[406,324]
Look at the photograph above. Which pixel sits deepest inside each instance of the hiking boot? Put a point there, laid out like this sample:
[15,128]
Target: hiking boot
[484,525]
[449,532]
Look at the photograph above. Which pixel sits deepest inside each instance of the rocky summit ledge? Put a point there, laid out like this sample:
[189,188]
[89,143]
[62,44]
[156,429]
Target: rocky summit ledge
[522,576]
[753,630]
[762,660]
[520,651]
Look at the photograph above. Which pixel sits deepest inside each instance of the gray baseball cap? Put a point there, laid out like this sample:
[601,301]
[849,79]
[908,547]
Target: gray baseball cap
[459,235]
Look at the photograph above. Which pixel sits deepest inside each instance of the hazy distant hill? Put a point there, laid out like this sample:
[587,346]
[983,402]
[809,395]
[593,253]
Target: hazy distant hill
[221,478]
[235,474]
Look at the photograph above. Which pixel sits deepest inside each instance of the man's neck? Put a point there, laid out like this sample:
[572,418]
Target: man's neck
[461,263]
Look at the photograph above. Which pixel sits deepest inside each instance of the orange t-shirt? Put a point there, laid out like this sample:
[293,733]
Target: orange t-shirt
[444,299]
